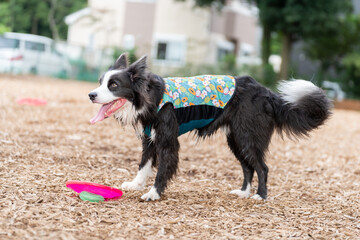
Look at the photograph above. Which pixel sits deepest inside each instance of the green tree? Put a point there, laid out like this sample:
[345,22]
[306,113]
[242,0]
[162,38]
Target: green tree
[38,17]
[293,20]
[350,77]
[269,16]
[331,47]
[306,20]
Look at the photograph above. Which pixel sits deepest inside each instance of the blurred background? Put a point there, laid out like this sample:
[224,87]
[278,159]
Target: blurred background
[272,40]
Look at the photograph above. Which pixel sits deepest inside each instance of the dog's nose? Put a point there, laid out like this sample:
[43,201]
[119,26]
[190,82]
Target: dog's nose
[92,96]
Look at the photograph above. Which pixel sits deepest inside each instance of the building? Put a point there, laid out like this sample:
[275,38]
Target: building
[173,33]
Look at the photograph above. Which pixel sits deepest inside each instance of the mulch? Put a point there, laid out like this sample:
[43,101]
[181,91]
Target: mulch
[313,183]
[348,104]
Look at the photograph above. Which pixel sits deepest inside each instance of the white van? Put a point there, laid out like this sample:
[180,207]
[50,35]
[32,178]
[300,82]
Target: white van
[22,53]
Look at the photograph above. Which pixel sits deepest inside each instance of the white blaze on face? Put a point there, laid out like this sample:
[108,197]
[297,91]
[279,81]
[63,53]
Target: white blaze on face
[110,103]
[104,95]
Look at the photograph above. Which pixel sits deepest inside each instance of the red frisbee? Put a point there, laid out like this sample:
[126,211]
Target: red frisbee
[32,101]
[105,191]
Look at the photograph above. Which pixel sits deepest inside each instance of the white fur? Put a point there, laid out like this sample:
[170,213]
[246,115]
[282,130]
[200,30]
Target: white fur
[139,129]
[153,135]
[292,91]
[242,194]
[127,114]
[140,180]
[226,129]
[104,95]
[257,197]
[151,195]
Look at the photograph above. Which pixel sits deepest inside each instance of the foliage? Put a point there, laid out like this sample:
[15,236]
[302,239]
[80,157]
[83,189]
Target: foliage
[82,72]
[32,16]
[3,28]
[350,77]
[293,20]
[130,54]
[275,43]
[206,3]
[296,20]
[228,63]
[345,38]
[311,18]
[341,53]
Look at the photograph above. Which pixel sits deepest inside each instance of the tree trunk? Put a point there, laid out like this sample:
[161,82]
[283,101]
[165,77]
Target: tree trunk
[265,44]
[34,24]
[51,19]
[285,56]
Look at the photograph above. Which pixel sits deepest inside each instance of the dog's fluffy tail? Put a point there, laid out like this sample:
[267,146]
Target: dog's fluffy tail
[300,107]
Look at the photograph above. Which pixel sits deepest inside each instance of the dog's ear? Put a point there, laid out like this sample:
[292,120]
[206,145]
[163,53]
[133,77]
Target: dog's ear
[121,62]
[138,68]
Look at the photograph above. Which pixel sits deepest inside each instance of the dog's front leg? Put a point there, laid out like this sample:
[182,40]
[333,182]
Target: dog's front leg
[145,167]
[167,146]
[168,163]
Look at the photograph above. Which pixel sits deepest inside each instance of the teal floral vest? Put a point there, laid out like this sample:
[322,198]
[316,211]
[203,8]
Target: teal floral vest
[198,100]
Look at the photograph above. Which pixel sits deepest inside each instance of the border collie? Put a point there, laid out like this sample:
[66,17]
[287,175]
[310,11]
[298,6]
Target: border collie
[159,110]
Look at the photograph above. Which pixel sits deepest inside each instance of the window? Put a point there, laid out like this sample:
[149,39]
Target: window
[35,46]
[9,43]
[161,51]
[170,49]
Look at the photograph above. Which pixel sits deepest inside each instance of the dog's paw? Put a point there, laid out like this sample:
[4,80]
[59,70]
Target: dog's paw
[257,197]
[240,193]
[132,186]
[152,195]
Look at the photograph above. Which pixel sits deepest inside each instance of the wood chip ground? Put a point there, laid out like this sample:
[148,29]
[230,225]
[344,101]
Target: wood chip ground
[314,183]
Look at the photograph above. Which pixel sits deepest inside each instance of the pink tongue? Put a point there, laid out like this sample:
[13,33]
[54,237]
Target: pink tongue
[101,114]
[104,111]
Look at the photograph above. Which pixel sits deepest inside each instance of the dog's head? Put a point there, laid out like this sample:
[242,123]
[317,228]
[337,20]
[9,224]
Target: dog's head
[118,89]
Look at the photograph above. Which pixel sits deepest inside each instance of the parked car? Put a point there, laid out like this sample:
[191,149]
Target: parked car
[333,90]
[22,53]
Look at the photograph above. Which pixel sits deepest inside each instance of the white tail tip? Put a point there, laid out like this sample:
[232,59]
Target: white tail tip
[293,90]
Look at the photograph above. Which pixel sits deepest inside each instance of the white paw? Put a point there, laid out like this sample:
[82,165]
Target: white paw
[257,197]
[240,193]
[151,195]
[132,186]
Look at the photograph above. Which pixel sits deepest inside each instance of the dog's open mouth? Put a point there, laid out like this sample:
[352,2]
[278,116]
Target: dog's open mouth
[108,109]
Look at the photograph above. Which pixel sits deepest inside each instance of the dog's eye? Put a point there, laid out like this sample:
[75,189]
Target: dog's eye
[113,85]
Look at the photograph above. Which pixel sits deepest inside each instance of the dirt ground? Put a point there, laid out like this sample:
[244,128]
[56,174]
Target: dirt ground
[314,183]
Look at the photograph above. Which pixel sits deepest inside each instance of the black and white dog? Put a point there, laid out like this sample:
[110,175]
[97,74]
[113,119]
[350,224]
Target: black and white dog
[132,95]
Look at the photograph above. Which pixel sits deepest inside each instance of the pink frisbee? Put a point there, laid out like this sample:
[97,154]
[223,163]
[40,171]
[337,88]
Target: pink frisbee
[32,101]
[105,191]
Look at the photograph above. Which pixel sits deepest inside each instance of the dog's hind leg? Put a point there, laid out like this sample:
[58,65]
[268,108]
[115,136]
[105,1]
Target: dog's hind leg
[145,167]
[248,170]
[250,149]
[262,173]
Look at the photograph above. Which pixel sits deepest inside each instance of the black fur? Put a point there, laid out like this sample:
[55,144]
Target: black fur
[251,117]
